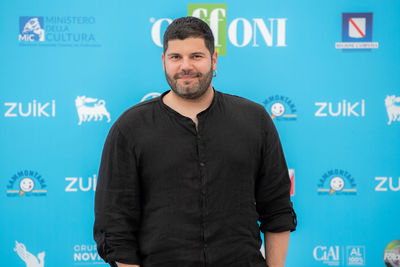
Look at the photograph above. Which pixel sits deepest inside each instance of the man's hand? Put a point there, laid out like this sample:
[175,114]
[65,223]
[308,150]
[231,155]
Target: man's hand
[126,265]
[276,246]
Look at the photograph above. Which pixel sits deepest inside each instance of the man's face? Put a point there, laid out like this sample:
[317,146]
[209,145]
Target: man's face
[188,67]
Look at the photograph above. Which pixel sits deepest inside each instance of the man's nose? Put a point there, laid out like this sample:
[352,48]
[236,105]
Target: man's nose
[186,64]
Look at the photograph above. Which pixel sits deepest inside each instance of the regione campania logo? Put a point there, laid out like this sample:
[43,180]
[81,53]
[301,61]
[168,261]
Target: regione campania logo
[357,32]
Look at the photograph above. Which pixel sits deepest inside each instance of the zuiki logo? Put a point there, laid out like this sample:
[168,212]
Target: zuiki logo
[391,256]
[355,255]
[30,109]
[29,259]
[31,29]
[387,184]
[86,112]
[392,104]
[329,255]
[76,184]
[26,183]
[150,96]
[337,182]
[281,108]
[292,188]
[343,108]
[240,32]
[356,32]
[66,31]
[86,254]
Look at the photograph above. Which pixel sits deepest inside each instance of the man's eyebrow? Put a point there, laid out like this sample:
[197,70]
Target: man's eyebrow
[198,53]
[173,54]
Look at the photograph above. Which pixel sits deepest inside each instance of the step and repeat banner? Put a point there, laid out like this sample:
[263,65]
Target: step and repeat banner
[328,73]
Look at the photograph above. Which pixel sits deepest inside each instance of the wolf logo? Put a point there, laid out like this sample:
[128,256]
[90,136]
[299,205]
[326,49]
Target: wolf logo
[29,259]
[86,113]
[392,109]
[33,25]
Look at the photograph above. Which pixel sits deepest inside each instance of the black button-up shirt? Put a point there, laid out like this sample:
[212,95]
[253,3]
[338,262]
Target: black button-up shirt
[169,194]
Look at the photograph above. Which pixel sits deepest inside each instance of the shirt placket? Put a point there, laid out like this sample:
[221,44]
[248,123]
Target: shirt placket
[201,158]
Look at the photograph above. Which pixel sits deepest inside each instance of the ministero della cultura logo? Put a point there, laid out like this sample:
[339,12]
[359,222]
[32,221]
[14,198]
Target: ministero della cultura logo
[240,32]
[65,31]
[391,255]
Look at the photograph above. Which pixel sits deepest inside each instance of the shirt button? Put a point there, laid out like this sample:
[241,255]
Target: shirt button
[202,164]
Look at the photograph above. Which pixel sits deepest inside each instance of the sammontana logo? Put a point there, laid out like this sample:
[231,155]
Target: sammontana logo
[240,32]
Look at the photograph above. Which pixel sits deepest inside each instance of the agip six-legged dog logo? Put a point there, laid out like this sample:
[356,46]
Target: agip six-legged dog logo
[88,112]
[392,104]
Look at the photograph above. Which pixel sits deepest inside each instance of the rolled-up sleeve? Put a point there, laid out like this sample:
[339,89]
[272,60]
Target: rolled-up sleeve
[117,201]
[273,202]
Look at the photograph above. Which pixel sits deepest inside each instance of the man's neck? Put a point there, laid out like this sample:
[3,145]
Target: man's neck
[189,107]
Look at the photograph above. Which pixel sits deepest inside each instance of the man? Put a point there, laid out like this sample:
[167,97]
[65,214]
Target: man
[185,177]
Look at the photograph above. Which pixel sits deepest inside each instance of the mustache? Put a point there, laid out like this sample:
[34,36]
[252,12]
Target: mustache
[187,73]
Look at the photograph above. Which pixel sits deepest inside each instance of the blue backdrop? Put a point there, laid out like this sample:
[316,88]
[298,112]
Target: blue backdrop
[326,71]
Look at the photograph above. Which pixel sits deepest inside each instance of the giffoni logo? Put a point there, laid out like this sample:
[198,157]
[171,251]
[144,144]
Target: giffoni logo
[215,16]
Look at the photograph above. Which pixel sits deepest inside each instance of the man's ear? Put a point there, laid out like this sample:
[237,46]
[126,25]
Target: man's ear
[163,61]
[214,60]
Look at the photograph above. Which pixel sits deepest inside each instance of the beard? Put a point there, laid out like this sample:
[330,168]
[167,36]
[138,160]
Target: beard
[190,89]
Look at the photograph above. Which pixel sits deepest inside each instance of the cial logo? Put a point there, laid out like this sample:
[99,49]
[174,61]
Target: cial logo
[89,108]
[391,255]
[355,255]
[342,108]
[356,31]
[337,182]
[79,184]
[29,259]
[387,184]
[292,188]
[392,104]
[150,96]
[26,183]
[86,254]
[31,29]
[281,108]
[65,31]
[240,32]
[329,255]
[31,109]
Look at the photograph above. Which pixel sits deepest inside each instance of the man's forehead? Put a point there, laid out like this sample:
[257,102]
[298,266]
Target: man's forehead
[191,44]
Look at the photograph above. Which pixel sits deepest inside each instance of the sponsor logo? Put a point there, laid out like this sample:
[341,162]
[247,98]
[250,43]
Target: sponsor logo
[150,96]
[215,16]
[337,182]
[29,259]
[391,256]
[76,184]
[65,31]
[31,29]
[96,109]
[392,104]
[30,109]
[329,255]
[383,183]
[355,255]
[26,183]
[291,175]
[343,108]
[356,31]
[281,108]
[240,32]
[86,254]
